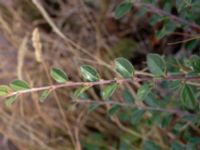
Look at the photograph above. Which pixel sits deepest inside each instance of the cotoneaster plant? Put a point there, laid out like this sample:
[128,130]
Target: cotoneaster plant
[183,80]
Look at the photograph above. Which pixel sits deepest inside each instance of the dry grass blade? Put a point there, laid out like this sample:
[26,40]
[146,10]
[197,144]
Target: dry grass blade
[36,40]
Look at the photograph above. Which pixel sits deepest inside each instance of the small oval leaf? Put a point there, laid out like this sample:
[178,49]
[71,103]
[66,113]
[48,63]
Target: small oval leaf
[128,97]
[89,73]
[3,90]
[122,9]
[124,67]
[93,107]
[80,90]
[114,109]
[44,95]
[59,75]
[137,115]
[195,62]
[19,85]
[109,90]
[143,91]
[9,101]
[187,97]
[156,64]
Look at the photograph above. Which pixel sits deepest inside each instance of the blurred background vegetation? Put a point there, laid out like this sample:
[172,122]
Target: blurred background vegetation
[76,32]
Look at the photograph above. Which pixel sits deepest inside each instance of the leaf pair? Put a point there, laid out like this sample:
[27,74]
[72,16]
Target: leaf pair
[19,85]
[122,66]
[16,85]
[155,63]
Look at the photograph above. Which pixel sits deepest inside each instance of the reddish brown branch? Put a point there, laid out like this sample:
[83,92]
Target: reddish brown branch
[176,19]
[101,82]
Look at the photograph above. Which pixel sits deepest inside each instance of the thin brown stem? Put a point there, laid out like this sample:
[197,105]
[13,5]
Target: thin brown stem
[102,82]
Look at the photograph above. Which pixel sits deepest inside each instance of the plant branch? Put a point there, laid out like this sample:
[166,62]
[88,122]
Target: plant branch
[160,12]
[172,111]
[102,82]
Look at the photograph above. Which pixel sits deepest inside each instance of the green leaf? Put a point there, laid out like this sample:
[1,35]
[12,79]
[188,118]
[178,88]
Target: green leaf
[195,62]
[150,145]
[92,107]
[80,91]
[137,116]
[143,91]
[173,64]
[9,101]
[156,64]
[109,90]
[124,67]
[3,90]
[176,146]
[166,120]
[122,9]
[190,146]
[194,140]
[128,97]
[19,85]
[89,73]
[175,84]
[44,95]
[113,109]
[187,97]
[59,75]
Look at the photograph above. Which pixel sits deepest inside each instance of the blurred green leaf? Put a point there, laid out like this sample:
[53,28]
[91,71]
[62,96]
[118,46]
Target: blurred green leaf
[166,120]
[190,146]
[19,85]
[114,109]
[80,90]
[175,84]
[150,145]
[122,9]
[143,91]
[191,45]
[9,101]
[172,64]
[89,73]
[124,67]
[3,90]
[177,146]
[187,97]
[152,100]
[44,95]
[156,64]
[93,107]
[137,116]
[195,62]
[58,75]
[155,18]
[124,145]
[128,97]
[109,90]
[194,140]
